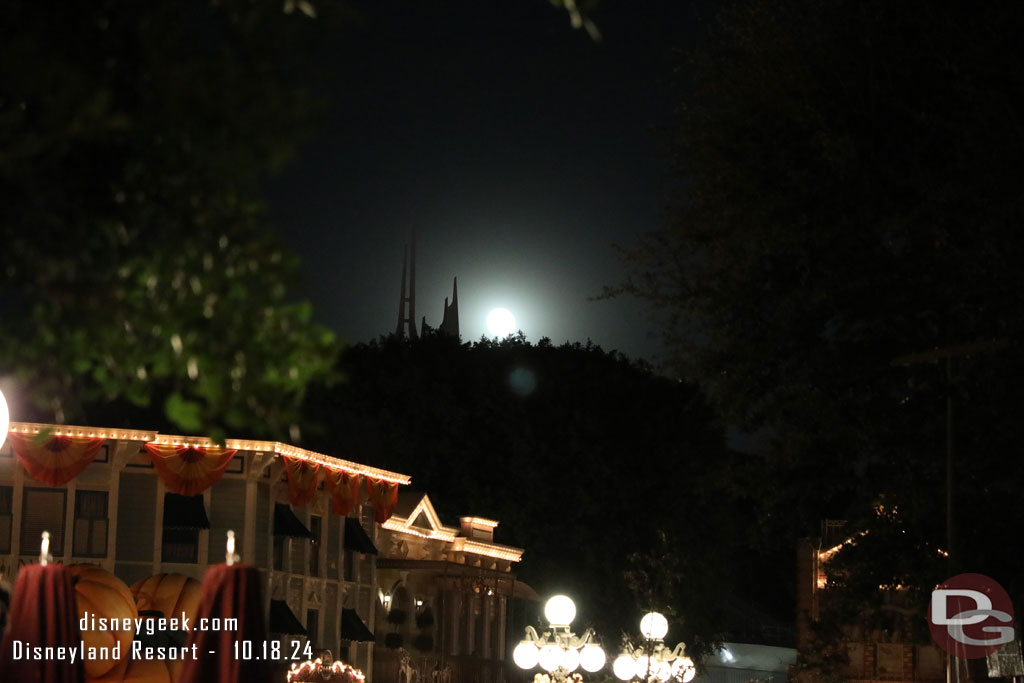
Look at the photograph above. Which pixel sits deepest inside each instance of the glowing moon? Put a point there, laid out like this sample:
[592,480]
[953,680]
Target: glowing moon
[501,323]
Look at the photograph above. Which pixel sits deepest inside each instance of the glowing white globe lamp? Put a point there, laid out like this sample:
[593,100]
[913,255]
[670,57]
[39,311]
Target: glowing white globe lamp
[592,658]
[688,669]
[571,662]
[560,610]
[654,626]
[662,670]
[624,667]
[5,419]
[551,657]
[525,655]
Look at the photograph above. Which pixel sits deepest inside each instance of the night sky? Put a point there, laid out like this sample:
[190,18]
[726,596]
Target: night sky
[517,148]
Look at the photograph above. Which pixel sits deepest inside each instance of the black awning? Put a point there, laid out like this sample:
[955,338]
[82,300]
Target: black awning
[353,628]
[356,538]
[283,621]
[287,524]
[185,512]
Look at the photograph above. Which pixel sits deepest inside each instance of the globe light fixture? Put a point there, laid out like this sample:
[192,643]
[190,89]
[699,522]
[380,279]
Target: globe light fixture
[654,662]
[5,419]
[558,650]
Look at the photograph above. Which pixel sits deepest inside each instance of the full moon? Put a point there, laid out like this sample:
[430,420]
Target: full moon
[501,323]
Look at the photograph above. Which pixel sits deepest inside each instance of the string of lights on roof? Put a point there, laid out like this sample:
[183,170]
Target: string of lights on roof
[275,447]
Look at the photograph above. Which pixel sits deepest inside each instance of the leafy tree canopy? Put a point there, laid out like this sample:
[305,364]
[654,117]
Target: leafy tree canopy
[584,457]
[140,281]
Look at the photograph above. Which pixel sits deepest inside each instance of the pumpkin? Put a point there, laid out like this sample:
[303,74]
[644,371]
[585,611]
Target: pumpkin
[147,671]
[103,596]
[173,595]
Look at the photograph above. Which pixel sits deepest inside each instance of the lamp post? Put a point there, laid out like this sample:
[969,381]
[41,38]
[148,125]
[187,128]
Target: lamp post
[654,662]
[559,651]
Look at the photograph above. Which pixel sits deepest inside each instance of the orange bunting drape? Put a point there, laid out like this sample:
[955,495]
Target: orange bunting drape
[54,460]
[344,489]
[189,470]
[303,476]
[384,496]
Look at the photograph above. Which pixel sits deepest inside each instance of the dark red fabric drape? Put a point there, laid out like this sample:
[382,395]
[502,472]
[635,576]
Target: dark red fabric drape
[43,614]
[228,592]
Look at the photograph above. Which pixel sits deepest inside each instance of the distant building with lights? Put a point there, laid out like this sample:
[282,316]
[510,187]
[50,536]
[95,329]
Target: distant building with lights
[339,548]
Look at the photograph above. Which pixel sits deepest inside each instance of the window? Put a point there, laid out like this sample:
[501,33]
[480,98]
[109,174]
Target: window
[42,510]
[315,526]
[184,516]
[312,626]
[90,524]
[6,518]
[279,553]
[347,567]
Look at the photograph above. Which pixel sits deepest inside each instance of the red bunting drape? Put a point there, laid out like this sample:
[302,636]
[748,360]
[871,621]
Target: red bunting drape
[189,470]
[302,480]
[344,489]
[54,460]
[384,496]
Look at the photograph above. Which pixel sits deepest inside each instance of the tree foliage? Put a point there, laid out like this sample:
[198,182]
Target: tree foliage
[583,456]
[848,195]
[140,279]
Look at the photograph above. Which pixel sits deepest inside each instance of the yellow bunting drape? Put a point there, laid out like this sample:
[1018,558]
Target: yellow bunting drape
[344,489]
[54,460]
[384,496]
[189,470]
[302,480]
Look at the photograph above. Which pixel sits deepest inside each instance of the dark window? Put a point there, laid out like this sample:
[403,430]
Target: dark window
[181,545]
[312,624]
[42,510]
[279,552]
[348,564]
[90,524]
[315,526]
[6,518]
[184,516]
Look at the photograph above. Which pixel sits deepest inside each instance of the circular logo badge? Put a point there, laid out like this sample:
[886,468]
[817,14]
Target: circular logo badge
[970,616]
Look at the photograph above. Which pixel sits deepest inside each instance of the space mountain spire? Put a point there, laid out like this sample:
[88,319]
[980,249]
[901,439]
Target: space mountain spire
[407,302]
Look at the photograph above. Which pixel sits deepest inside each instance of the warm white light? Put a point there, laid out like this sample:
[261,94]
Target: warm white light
[571,662]
[662,670]
[501,322]
[560,610]
[642,662]
[592,658]
[525,655]
[551,657]
[654,626]
[5,419]
[624,667]
[684,666]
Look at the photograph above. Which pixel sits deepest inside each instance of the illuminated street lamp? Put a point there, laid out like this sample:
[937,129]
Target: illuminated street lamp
[654,662]
[559,651]
[5,419]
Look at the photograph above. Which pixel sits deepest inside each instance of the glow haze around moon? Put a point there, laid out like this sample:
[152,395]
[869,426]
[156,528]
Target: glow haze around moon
[501,323]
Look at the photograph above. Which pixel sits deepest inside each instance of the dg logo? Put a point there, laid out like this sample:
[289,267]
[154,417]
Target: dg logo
[970,616]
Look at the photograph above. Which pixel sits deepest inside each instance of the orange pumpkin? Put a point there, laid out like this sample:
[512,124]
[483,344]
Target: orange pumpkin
[147,671]
[173,595]
[102,595]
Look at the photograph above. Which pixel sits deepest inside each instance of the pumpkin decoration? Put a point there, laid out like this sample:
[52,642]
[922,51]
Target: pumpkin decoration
[173,595]
[102,595]
[147,671]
